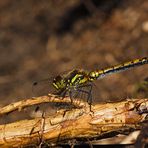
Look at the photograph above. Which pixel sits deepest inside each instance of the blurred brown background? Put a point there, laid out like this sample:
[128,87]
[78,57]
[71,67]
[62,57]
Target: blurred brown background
[40,39]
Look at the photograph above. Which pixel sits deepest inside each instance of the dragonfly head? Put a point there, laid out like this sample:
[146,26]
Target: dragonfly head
[58,82]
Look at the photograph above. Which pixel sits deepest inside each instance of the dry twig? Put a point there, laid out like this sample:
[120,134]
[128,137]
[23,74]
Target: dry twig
[79,123]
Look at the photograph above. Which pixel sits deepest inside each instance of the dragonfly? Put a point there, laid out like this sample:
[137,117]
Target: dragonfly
[80,81]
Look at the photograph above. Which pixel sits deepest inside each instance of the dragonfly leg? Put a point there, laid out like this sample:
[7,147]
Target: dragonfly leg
[70,95]
[89,100]
[62,93]
[88,92]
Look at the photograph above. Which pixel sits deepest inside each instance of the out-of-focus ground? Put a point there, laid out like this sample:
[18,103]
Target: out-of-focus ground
[40,39]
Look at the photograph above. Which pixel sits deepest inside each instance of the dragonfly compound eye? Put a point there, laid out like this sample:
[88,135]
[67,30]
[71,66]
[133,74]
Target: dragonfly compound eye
[58,82]
[57,79]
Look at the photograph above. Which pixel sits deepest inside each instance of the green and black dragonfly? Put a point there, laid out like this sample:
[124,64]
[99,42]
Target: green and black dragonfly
[76,81]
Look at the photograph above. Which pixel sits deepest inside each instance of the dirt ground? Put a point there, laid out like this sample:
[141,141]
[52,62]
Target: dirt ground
[40,39]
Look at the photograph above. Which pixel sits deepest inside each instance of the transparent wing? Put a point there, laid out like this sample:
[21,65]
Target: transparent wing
[43,87]
[82,92]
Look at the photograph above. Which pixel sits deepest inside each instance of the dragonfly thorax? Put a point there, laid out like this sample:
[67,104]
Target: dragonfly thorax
[72,79]
[78,77]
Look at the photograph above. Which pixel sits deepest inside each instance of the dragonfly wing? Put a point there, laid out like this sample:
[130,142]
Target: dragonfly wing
[42,87]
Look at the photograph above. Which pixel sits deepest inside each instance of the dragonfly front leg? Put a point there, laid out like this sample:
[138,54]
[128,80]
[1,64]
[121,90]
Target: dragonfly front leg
[71,96]
[88,92]
[62,93]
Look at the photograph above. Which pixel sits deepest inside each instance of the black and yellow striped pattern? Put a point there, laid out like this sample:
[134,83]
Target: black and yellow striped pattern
[79,78]
[97,74]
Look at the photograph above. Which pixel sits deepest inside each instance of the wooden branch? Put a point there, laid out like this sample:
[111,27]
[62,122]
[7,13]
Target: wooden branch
[38,100]
[80,123]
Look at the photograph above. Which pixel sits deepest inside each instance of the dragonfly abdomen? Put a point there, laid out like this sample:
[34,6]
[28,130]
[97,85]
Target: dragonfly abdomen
[97,74]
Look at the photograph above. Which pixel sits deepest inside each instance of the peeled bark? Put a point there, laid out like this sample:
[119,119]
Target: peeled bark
[80,123]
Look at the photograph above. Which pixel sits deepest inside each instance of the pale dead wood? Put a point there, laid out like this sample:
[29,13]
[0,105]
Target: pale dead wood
[38,100]
[76,124]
